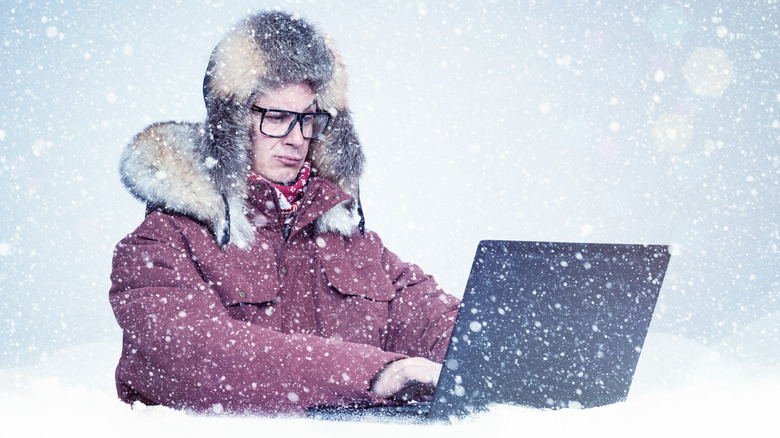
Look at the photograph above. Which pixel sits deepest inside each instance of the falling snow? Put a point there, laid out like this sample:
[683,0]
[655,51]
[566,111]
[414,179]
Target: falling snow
[654,122]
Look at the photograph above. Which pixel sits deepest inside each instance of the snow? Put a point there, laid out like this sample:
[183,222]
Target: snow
[681,387]
[654,122]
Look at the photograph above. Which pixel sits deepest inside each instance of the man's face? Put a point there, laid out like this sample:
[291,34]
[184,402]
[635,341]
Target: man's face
[280,159]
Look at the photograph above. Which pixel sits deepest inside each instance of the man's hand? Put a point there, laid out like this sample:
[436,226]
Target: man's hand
[405,373]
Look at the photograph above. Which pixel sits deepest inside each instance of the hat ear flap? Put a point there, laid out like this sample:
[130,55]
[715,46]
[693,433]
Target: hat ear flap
[334,95]
[338,155]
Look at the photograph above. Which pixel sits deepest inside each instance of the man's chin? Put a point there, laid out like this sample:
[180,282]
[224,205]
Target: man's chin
[284,178]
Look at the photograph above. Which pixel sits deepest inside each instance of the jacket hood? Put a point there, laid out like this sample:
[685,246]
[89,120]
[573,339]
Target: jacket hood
[199,169]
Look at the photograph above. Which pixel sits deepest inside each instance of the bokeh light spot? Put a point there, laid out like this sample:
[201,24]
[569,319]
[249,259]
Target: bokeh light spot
[708,71]
[672,133]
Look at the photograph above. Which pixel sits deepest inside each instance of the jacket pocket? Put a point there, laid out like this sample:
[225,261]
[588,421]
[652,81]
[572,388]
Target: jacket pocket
[354,268]
[243,278]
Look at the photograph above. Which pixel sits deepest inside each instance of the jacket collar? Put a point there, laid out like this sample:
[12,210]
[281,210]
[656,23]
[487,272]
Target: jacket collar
[321,197]
[162,166]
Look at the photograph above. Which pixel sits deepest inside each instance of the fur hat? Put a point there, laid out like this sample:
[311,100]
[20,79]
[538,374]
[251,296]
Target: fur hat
[260,53]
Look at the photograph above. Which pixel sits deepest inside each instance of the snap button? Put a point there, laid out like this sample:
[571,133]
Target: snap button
[242,294]
[284,270]
[336,196]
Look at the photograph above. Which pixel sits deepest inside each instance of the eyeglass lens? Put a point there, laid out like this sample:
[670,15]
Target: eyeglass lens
[277,123]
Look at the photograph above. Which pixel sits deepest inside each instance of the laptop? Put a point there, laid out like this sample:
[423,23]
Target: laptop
[547,325]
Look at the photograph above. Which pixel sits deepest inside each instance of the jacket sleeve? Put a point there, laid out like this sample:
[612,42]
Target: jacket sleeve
[422,315]
[182,349]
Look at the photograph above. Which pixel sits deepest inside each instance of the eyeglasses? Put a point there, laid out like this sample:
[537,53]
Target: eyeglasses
[278,123]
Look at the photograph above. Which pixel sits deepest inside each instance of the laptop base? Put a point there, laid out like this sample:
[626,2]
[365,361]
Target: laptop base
[408,413]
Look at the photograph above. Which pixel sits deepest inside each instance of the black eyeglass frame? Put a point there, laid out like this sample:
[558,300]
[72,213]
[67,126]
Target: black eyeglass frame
[297,121]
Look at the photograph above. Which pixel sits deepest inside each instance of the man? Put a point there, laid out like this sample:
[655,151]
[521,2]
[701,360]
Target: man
[252,285]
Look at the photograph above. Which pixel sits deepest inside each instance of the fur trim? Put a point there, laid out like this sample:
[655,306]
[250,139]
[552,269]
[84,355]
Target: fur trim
[236,67]
[340,219]
[334,96]
[161,167]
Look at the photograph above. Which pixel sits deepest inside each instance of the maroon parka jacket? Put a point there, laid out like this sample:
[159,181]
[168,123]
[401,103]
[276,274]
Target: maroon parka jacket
[284,325]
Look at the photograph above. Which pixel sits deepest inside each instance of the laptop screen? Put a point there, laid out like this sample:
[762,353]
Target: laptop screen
[550,325]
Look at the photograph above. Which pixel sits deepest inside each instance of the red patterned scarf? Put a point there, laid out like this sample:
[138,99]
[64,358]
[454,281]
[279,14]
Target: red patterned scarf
[291,196]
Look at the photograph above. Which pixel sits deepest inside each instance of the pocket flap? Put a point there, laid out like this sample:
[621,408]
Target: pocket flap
[247,287]
[356,270]
[242,280]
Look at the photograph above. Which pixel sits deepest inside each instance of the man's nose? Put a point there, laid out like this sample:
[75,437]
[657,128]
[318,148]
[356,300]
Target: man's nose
[295,136]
